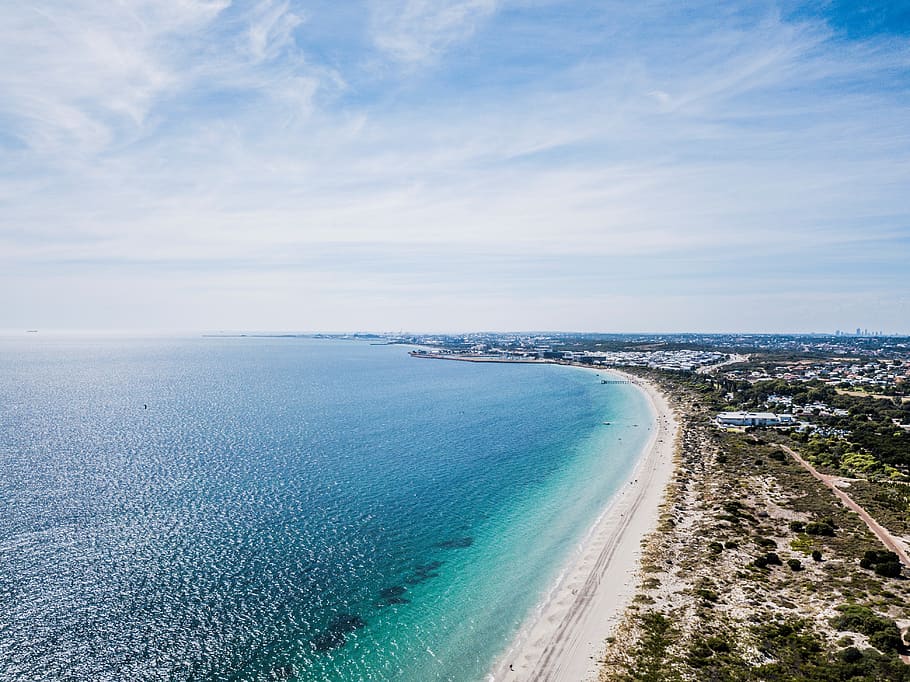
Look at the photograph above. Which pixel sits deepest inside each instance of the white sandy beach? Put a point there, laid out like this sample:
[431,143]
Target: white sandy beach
[564,639]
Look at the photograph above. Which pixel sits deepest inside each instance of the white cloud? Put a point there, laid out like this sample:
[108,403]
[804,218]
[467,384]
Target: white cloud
[79,77]
[76,72]
[271,30]
[414,31]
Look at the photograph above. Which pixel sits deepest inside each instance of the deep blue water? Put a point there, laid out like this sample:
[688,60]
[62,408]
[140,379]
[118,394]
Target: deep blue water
[236,509]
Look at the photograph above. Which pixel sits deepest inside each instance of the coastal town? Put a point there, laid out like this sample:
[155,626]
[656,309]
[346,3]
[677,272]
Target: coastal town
[808,385]
[878,364]
[886,375]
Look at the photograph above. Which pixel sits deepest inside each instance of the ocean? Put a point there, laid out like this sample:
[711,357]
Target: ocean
[288,508]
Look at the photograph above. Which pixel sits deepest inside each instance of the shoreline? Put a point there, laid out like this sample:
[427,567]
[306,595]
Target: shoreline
[565,637]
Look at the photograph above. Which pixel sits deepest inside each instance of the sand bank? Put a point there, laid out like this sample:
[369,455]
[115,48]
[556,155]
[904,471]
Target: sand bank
[564,638]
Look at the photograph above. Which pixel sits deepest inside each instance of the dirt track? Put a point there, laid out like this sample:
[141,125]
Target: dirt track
[880,531]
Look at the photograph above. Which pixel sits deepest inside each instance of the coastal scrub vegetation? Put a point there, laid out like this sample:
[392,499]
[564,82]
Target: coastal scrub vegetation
[887,501]
[649,656]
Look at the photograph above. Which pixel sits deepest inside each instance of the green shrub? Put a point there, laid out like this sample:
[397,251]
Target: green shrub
[795,564]
[850,655]
[889,569]
[717,644]
[706,594]
[882,632]
[699,655]
[732,506]
[649,655]
[883,562]
[819,528]
[879,556]
[887,640]
[816,555]
[797,526]
[802,543]
[791,639]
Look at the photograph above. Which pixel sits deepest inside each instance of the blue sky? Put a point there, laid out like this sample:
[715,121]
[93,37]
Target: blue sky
[455,165]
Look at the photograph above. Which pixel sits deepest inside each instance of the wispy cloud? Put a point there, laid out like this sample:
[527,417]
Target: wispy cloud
[82,77]
[272,30]
[77,72]
[413,31]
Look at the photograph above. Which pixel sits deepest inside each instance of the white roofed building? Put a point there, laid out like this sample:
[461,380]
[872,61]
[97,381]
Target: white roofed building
[754,419]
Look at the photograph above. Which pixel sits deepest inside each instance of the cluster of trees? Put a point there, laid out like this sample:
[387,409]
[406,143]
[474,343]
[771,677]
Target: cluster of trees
[882,632]
[870,449]
[799,653]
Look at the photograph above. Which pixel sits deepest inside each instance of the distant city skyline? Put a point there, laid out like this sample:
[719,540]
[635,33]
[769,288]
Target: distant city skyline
[455,165]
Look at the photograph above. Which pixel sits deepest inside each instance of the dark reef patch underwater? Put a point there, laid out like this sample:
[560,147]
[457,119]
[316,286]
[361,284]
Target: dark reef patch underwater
[335,635]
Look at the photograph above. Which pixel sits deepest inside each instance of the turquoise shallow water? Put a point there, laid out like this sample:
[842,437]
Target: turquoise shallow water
[234,509]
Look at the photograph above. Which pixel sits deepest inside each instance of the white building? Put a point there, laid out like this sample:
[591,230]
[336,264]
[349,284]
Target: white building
[754,419]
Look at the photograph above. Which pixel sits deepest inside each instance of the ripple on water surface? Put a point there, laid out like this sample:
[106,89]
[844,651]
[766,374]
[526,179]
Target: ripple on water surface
[233,509]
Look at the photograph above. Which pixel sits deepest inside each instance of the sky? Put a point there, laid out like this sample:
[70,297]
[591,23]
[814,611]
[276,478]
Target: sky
[455,165]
